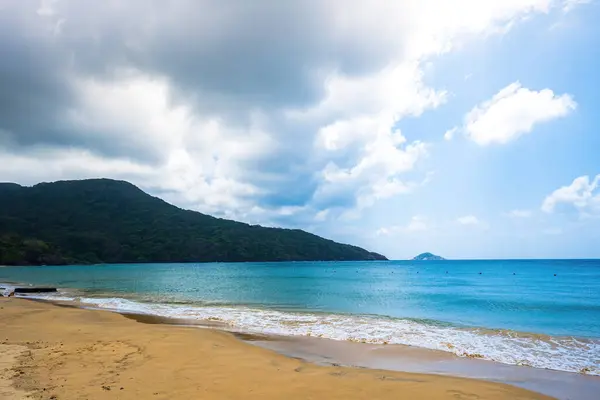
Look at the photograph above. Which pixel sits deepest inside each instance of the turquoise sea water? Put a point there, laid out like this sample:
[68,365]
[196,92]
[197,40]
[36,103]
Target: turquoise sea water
[542,313]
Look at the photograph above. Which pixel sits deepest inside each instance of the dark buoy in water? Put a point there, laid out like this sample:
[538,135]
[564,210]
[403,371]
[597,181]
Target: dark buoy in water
[480,273]
[446,271]
[514,273]
[554,274]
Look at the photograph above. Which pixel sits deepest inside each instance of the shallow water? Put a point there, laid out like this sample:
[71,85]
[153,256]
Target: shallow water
[544,314]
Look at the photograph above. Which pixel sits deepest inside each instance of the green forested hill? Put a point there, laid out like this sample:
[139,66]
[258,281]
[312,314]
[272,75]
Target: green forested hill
[108,221]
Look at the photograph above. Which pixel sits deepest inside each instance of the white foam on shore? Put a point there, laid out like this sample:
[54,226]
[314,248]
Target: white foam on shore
[509,347]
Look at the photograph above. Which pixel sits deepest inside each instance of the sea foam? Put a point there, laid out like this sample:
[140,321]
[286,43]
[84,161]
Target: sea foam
[504,346]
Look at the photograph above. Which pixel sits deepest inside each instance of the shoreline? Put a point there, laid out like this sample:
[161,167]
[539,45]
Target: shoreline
[398,357]
[407,359]
[164,314]
[535,350]
[92,354]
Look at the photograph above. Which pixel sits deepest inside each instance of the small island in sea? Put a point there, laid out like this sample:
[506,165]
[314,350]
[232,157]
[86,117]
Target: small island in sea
[428,257]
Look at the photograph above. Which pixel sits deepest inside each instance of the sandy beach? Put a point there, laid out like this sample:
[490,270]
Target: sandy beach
[51,352]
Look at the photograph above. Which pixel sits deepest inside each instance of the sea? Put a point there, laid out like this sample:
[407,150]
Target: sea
[537,313]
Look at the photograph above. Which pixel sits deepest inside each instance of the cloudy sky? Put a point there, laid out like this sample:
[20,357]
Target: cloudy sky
[468,128]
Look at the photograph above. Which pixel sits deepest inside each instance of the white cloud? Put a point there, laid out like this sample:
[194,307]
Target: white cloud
[449,135]
[384,231]
[366,109]
[581,194]
[376,172]
[223,137]
[519,213]
[46,8]
[417,223]
[468,220]
[513,112]
[50,164]
[198,158]
[571,4]
[322,215]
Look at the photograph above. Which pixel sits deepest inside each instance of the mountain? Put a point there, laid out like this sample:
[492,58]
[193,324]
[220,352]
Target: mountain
[428,257]
[108,221]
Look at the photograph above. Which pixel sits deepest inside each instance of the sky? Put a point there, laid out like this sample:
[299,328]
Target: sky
[466,128]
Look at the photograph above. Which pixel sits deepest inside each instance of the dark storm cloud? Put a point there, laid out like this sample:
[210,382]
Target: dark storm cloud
[36,88]
[224,59]
[33,80]
[267,54]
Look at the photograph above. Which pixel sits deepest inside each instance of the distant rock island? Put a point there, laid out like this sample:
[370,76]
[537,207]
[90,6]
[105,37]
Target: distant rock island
[428,257]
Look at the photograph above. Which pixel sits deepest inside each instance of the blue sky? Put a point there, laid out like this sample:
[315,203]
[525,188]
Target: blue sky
[330,117]
[557,52]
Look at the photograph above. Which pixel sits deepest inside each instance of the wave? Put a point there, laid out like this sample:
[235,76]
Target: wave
[505,346]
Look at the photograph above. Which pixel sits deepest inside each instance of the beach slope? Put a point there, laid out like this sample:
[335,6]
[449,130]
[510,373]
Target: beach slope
[69,353]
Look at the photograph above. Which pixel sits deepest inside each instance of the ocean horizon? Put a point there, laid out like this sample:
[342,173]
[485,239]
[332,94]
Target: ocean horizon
[537,313]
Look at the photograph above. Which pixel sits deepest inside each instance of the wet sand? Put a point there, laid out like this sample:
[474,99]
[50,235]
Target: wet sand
[71,353]
[559,384]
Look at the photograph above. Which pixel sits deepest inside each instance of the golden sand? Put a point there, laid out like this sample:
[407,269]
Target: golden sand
[8,360]
[50,352]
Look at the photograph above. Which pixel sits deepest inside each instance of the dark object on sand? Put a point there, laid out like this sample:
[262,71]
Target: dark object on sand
[34,290]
